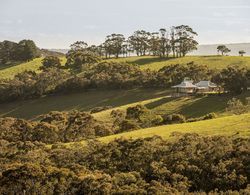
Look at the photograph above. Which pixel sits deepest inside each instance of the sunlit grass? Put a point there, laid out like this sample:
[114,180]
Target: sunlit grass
[236,126]
[218,62]
[33,65]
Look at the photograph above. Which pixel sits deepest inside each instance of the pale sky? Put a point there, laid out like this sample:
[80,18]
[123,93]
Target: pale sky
[58,23]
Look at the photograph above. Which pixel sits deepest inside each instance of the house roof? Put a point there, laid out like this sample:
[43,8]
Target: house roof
[185,84]
[205,84]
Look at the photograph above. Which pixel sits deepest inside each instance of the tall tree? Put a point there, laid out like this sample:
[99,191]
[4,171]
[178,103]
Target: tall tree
[185,39]
[113,44]
[139,42]
[154,43]
[173,41]
[164,43]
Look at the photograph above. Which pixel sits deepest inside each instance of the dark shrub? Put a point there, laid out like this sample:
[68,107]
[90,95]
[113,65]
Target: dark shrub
[174,118]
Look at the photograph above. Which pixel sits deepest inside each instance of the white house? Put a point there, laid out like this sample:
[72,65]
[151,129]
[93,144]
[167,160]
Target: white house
[188,87]
[185,87]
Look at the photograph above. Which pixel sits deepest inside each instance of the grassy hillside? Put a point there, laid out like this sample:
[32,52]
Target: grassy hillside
[157,100]
[236,125]
[13,69]
[191,107]
[81,101]
[151,62]
[229,125]
[155,63]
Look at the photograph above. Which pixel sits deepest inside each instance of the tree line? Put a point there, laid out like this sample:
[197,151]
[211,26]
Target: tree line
[178,41]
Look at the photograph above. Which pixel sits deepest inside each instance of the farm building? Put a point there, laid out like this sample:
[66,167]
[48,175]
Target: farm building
[206,86]
[187,87]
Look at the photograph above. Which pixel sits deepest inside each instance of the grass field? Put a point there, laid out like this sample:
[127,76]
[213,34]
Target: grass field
[81,101]
[13,69]
[218,62]
[158,100]
[236,125]
[151,62]
[188,106]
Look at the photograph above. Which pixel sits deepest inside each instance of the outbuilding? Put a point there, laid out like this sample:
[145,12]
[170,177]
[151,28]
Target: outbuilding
[206,86]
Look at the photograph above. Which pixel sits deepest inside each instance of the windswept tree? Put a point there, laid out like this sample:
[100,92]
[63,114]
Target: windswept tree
[114,44]
[139,42]
[223,49]
[185,39]
[242,52]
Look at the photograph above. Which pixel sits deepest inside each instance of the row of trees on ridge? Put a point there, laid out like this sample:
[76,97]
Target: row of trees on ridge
[179,40]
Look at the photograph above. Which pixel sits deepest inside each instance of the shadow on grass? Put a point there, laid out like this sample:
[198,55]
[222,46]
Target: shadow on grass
[205,105]
[9,65]
[159,102]
[143,61]
[84,101]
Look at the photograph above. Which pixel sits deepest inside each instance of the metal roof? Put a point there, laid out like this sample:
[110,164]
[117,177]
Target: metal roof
[185,84]
[205,84]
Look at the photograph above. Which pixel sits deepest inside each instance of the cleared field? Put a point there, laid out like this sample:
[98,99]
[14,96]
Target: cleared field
[188,106]
[13,69]
[80,101]
[158,100]
[236,126]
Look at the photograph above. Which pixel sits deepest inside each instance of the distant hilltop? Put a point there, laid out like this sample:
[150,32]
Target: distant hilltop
[212,49]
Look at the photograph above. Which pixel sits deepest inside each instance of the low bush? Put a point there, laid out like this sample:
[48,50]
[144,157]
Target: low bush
[174,118]
[99,109]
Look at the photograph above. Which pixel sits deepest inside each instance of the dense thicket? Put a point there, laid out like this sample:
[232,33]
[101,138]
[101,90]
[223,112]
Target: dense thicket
[30,84]
[54,127]
[187,164]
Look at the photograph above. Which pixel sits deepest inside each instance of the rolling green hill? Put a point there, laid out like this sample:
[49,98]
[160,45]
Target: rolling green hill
[11,70]
[236,125]
[230,125]
[218,62]
[151,62]
[84,101]
[158,100]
